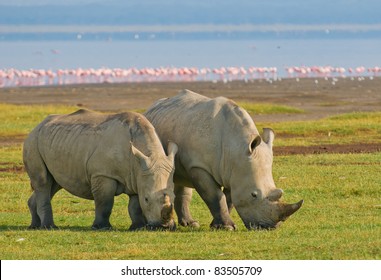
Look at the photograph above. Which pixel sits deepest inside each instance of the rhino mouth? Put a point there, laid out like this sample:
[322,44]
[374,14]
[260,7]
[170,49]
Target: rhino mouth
[171,226]
[284,211]
[262,226]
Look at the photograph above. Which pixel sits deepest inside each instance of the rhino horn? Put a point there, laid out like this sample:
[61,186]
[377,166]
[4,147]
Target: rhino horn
[275,195]
[167,213]
[286,210]
[167,200]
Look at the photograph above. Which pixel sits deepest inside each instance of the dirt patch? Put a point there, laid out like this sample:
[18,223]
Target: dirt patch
[328,149]
[316,99]
[12,169]
[11,140]
[354,148]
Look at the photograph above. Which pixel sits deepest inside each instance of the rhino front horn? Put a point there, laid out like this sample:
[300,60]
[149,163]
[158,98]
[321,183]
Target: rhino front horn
[167,212]
[288,209]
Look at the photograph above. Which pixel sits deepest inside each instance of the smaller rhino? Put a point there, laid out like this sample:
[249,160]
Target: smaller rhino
[98,156]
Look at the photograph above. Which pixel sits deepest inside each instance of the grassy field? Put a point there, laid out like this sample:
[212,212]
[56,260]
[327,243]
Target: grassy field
[268,108]
[341,129]
[340,219]
[16,121]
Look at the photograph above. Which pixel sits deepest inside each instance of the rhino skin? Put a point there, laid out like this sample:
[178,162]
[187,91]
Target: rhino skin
[98,156]
[222,156]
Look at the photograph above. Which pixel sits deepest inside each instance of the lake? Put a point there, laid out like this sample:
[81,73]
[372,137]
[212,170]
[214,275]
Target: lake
[190,53]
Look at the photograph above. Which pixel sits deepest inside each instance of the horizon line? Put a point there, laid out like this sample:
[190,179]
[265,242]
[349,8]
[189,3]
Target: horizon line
[187,28]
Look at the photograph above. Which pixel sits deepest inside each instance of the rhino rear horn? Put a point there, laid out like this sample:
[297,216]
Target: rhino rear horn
[286,210]
[275,195]
[167,200]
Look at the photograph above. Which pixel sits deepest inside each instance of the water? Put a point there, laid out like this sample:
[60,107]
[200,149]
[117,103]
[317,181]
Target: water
[211,54]
[198,53]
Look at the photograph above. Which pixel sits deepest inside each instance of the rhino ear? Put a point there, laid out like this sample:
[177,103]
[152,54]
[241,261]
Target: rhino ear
[268,136]
[172,150]
[143,159]
[254,143]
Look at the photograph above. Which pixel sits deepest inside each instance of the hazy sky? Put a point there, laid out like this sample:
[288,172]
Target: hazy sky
[44,2]
[145,22]
[128,12]
[347,3]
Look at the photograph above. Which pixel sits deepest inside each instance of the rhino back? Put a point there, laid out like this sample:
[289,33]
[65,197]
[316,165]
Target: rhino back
[209,132]
[83,144]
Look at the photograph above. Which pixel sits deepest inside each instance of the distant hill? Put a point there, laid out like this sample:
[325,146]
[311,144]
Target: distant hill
[170,12]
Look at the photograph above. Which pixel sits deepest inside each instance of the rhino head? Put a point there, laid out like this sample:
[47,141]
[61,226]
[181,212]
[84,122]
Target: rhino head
[254,194]
[156,188]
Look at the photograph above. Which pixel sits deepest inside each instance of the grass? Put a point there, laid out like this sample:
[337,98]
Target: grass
[341,129]
[19,120]
[339,220]
[268,108]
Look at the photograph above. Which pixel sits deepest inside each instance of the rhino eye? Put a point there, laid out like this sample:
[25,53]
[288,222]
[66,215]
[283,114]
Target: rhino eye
[254,194]
[146,199]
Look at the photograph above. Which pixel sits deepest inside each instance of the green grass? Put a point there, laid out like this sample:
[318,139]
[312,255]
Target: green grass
[339,220]
[341,129]
[268,108]
[19,120]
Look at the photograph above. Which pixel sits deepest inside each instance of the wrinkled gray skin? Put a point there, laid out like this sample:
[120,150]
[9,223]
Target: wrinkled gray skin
[98,156]
[223,157]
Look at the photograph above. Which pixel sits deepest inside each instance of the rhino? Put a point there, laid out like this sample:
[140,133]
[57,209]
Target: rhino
[222,155]
[98,156]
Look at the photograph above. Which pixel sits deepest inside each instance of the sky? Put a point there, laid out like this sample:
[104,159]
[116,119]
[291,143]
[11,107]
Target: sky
[46,2]
[320,17]
[120,12]
[43,23]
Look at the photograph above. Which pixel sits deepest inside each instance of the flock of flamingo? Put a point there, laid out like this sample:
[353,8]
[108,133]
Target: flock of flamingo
[40,77]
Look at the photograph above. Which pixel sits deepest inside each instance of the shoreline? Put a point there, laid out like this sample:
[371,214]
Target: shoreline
[318,97]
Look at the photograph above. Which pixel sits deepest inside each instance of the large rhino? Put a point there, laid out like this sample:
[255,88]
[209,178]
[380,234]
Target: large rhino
[221,155]
[98,156]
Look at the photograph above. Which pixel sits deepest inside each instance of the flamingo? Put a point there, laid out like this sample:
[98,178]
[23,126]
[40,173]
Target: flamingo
[32,77]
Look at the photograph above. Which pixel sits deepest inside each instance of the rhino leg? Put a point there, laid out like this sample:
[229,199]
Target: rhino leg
[44,187]
[44,210]
[228,199]
[136,213]
[42,183]
[183,197]
[103,190]
[32,204]
[214,198]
